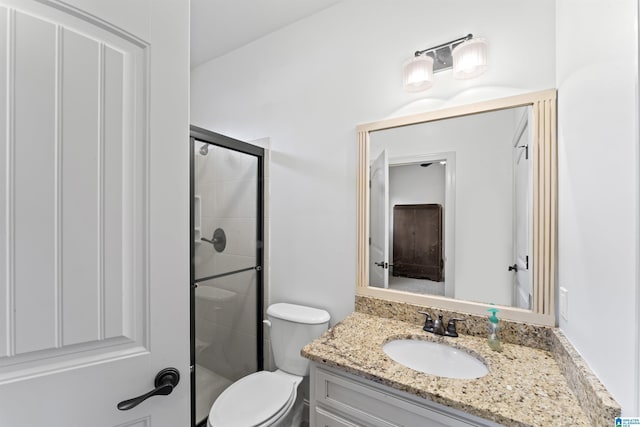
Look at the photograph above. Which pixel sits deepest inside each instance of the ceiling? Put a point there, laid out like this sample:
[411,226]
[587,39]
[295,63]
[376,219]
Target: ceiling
[220,26]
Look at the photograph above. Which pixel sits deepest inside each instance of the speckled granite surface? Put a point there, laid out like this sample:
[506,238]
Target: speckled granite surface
[513,332]
[593,397]
[525,386]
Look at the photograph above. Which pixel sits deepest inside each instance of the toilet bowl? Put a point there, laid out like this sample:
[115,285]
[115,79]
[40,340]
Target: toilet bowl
[267,398]
[257,400]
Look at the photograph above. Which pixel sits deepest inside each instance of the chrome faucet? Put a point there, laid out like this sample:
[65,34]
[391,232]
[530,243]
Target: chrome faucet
[437,326]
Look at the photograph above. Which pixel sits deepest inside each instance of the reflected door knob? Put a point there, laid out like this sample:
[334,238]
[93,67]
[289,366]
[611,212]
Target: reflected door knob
[513,267]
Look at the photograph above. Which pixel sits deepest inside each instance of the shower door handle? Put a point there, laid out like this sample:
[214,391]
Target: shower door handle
[165,382]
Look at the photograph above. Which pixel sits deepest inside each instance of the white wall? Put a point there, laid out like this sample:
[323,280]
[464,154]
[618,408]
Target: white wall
[598,187]
[413,184]
[308,85]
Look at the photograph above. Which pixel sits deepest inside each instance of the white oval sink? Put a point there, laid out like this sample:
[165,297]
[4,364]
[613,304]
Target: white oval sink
[435,359]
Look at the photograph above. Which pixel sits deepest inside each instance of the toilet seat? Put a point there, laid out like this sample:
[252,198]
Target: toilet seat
[256,400]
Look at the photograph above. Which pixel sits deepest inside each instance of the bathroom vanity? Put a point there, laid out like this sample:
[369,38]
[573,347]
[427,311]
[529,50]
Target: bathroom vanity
[354,383]
[505,257]
[340,399]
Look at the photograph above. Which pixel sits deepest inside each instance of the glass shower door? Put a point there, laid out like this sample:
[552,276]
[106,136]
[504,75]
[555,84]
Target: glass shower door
[226,267]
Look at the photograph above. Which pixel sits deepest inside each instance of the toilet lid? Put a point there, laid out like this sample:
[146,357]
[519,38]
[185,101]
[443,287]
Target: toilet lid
[252,400]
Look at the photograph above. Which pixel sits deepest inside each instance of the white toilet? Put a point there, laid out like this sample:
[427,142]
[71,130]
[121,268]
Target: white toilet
[267,398]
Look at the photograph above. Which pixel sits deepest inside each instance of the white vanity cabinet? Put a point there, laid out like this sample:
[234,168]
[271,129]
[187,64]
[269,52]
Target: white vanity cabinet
[339,399]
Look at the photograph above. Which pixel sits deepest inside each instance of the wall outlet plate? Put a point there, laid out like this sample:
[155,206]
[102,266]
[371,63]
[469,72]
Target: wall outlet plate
[564,303]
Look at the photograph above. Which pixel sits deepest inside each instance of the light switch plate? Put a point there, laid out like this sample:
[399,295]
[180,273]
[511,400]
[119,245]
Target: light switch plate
[564,303]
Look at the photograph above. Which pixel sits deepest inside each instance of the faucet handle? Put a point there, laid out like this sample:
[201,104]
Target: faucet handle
[428,322]
[451,327]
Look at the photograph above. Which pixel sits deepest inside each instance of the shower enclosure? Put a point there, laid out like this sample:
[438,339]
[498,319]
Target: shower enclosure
[226,265]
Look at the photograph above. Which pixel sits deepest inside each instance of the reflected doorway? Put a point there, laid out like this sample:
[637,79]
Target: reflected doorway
[417,204]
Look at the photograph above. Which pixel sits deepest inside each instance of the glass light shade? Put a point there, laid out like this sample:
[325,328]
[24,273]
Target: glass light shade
[470,59]
[418,74]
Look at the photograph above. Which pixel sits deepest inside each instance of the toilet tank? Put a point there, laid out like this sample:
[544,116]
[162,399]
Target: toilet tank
[292,327]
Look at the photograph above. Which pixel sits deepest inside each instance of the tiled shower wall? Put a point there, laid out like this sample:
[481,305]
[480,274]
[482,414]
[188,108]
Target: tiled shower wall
[226,183]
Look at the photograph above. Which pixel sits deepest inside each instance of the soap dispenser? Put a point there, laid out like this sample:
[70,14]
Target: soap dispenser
[494,338]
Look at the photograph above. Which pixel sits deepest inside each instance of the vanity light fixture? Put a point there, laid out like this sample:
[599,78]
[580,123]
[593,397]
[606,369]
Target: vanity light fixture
[466,55]
[470,59]
[418,73]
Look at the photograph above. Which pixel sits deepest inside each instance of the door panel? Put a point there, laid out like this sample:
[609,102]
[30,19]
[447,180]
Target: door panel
[57,179]
[522,220]
[80,194]
[138,423]
[34,319]
[94,278]
[4,348]
[379,233]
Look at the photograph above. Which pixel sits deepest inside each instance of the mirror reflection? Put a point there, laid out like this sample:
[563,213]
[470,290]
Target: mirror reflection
[451,206]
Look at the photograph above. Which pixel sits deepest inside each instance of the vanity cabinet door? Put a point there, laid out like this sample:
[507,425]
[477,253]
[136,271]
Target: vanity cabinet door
[337,398]
[325,418]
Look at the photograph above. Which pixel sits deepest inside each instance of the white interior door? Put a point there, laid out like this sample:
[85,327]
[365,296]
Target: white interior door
[522,220]
[94,268]
[379,245]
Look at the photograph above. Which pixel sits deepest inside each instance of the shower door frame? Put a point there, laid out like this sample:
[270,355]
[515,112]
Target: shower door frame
[209,137]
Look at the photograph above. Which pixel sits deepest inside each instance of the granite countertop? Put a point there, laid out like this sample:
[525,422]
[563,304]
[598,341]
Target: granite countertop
[524,386]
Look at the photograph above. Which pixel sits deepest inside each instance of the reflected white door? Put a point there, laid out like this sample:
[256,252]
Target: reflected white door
[94,268]
[522,220]
[379,232]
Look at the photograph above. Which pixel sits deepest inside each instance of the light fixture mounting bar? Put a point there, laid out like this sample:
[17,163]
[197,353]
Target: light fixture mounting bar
[441,54]
[447,44]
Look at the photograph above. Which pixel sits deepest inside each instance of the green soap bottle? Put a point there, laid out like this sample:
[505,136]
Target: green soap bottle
[494,338]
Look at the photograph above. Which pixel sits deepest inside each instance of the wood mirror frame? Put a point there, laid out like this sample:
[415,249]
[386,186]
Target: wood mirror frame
[544,218]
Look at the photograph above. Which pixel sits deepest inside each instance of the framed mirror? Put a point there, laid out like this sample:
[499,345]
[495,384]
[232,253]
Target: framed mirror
[457,208]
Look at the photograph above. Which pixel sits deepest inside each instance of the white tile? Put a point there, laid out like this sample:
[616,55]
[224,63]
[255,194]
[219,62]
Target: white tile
[269,363]
[241,236]
[245,317]
[241,282]
[236,199]
[205,173]
[243,347]
[233,165]
[205,331]
[209,192]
